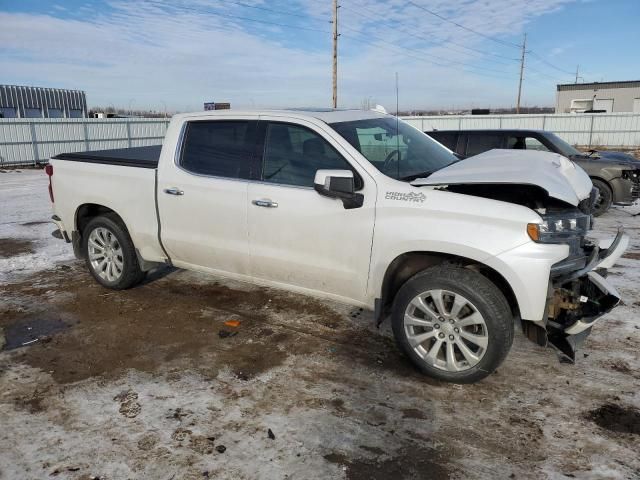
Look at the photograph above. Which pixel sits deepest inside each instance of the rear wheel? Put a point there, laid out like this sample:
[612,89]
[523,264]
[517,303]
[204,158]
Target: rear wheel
[604,198]
[453,323]
[110,254]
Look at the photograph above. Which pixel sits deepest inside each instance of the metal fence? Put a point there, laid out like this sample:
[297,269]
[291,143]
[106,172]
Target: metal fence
[620,130]
[33,141]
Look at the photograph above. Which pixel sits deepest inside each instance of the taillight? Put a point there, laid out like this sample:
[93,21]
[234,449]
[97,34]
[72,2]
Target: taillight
[48,169]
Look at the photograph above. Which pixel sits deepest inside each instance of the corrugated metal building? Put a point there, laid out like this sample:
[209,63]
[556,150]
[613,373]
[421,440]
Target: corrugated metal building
[35,102]
[612,97]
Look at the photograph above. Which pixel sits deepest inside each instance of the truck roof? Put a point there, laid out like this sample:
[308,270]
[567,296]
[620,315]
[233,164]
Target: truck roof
[327,115]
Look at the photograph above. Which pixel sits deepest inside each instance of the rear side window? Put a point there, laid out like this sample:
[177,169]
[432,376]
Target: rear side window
[293,154]
[481,143]
[449,140]
[218,148]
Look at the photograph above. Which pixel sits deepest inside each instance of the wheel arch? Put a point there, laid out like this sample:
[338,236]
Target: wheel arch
[406,265]
[84,214]
[603,180]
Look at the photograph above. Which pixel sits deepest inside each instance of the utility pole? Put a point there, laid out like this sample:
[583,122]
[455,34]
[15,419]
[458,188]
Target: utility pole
[577,71]
[335,53]
[524,49]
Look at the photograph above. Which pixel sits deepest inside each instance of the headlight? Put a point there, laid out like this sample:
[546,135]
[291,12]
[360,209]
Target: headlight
[559,228]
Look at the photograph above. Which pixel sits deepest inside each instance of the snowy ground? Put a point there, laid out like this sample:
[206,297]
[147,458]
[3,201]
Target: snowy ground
[139,384]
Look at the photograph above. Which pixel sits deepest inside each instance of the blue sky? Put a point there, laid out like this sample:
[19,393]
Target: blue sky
[274,53]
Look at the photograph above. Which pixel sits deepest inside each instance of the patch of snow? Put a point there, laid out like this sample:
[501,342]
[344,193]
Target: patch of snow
[24,203]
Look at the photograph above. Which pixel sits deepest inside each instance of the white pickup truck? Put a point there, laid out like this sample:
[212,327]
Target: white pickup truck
[358,207]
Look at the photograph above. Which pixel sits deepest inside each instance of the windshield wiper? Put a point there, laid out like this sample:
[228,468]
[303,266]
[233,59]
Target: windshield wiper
[413,176]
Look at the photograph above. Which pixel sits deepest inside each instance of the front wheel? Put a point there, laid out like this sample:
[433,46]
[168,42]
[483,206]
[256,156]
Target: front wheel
[453,323]
[110,254]
[604,198]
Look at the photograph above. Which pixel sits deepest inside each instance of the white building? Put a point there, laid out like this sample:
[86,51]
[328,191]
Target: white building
[608,96]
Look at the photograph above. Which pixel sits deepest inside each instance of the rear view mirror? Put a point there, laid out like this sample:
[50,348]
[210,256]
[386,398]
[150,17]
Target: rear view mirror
[338,184]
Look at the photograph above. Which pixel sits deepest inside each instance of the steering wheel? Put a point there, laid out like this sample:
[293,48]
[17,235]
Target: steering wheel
[389,160]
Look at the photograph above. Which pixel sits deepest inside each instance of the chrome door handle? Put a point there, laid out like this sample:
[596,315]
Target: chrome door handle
[265,203]
[173,191]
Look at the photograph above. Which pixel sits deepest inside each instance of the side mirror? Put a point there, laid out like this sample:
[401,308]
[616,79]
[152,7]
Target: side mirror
[338,184]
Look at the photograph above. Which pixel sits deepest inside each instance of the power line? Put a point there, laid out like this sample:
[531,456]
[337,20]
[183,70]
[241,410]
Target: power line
[395,48]
[379,39]
[489,37]
[395,26]
[549,63]
[403,29]
[497,40]
[422,59]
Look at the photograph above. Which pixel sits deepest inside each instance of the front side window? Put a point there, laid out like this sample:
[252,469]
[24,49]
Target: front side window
[535,144]
[477,144]
[395,148]
[218,148]
[562,146]
[293,154]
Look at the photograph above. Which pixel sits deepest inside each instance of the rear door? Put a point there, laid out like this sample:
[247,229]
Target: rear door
[202,195]
[296,236]
[482,142]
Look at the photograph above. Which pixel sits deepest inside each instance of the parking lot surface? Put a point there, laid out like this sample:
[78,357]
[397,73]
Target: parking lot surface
[192,376]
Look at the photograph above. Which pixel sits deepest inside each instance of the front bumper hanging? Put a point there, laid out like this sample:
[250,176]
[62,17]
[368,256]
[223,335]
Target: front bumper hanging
[577,300]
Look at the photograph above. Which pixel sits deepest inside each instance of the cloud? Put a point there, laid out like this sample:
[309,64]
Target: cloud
[184,53]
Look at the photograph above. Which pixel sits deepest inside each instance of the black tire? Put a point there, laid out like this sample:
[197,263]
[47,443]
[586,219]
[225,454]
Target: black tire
[604,198]
[131,273]
[487,299]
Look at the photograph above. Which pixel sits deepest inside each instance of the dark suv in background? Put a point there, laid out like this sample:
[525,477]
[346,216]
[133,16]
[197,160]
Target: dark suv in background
[615,174]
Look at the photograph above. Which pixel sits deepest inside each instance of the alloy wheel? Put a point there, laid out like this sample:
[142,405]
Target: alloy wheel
[446,330]
[105,254]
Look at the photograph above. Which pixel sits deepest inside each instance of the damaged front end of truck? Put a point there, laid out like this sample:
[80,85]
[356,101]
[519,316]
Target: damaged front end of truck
[563,196]
[578,295]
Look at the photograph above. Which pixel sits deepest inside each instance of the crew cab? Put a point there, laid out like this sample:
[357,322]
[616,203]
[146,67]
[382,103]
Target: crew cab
[357,207]
[616,175]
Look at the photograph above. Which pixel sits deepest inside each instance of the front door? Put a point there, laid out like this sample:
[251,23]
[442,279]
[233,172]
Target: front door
[298,237]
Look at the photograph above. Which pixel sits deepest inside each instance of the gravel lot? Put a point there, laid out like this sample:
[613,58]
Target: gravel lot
[140,384]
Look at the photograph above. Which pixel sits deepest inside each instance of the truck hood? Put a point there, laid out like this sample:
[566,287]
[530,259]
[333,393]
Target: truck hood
[557,175]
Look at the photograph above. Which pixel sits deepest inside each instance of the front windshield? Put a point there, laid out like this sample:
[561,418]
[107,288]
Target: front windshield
[565,148]
[395,148]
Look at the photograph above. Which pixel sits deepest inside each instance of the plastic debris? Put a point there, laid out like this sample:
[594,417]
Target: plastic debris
[221,448]
[270,434]
[232,323]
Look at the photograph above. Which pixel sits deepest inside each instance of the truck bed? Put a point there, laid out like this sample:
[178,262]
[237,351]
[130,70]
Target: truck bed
[142,157]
